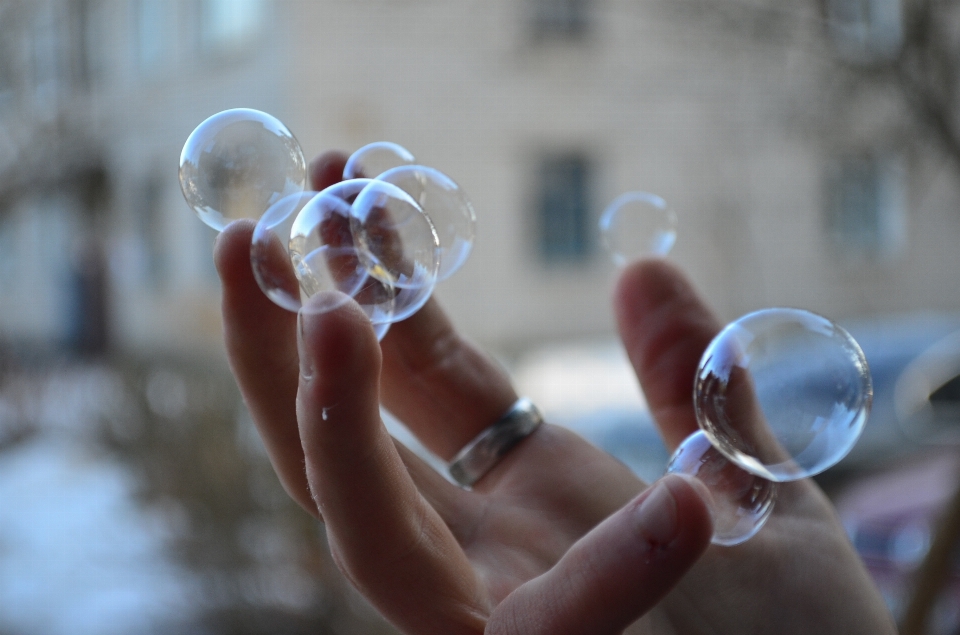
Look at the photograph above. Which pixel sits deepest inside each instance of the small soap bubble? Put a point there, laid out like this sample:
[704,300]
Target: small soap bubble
[447,206]
[783,393]
[289,279]
[397,242]
[376,158]
[740,502]
[638,225]
[238,163]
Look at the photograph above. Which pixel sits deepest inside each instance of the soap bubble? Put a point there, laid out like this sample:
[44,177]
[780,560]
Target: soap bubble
[324,256]
[740,502]
[376,158]
[289,279]
[783,393]
[447,206]
[397,242]
[638,225]
[238,163]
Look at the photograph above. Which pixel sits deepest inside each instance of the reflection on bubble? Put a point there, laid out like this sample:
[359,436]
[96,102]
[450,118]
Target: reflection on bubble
[324,255]
[238,163]
[783,393]
[397,243]
[290,278]
[447,206]
[638,225]
[740,502]
[374,159]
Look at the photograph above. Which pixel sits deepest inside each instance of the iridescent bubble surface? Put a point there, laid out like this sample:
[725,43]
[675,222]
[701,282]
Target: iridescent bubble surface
[447,206]
[324,256]
[376,158]
[638,225]
[783,393]
[740,502]
[397,242]
[289,279]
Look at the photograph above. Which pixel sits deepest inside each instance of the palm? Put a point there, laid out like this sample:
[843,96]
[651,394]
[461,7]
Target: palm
[529,513]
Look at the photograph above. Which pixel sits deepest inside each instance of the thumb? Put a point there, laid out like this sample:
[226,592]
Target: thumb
[618,571]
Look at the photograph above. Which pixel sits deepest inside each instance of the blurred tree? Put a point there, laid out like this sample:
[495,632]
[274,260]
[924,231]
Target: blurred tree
[906,52]
[262,565]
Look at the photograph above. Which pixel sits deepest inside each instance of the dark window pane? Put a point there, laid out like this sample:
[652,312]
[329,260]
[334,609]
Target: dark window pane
[563,18]
[856,216]
[564,208]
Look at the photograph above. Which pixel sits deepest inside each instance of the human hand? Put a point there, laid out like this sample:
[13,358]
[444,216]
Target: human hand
[558,537]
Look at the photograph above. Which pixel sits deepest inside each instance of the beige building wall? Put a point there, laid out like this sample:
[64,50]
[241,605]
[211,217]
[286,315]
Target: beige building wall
[732,131]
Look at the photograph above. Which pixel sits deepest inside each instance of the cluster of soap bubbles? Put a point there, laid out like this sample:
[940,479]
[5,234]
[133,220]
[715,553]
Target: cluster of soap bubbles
[780,394]
[384,235]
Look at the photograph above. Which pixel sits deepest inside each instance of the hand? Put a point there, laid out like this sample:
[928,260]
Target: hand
[559,537]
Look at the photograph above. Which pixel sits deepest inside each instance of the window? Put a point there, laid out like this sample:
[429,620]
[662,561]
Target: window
[559,18]
[865,30]
[227,26]
[564,208]
[866,206]
[156,35]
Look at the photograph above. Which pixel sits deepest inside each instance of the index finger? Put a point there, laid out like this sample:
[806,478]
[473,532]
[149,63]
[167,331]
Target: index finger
[665,327]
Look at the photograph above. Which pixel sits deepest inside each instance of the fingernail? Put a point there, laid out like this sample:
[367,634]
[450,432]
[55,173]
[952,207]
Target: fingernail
[306,360]
[657,515]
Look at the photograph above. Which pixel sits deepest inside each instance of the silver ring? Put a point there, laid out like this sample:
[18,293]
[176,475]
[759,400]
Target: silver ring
[481,455]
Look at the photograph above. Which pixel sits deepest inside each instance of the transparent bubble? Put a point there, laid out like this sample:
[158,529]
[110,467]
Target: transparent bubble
[740,502]
[397,242]
[783,393]
[638,225]
[376,158]
[289,279]
[238,163]
[324,256]
[447,206]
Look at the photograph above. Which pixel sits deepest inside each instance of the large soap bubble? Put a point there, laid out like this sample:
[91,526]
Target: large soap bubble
[238,163]
[783,393]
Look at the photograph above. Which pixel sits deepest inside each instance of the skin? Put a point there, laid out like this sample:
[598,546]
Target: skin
[559,537]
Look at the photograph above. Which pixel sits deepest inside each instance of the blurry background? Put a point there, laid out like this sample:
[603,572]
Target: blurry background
[811,149]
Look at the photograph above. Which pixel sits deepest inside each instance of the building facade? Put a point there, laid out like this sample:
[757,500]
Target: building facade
[787,191]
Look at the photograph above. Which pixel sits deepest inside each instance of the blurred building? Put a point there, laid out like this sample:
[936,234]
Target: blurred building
[789,191]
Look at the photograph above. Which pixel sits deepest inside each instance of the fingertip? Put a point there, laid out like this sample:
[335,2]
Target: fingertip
[337,342]
[646,284]
[231,249]
[326,169]
[692,502]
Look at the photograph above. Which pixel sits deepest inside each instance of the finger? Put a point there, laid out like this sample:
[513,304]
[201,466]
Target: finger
[385,536]
[440,385]
[326,169]
[460,509]
[262,350]
[665,328]
[617,572]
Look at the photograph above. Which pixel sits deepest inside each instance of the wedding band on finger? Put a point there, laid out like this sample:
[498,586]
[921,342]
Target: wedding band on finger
[487,449]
